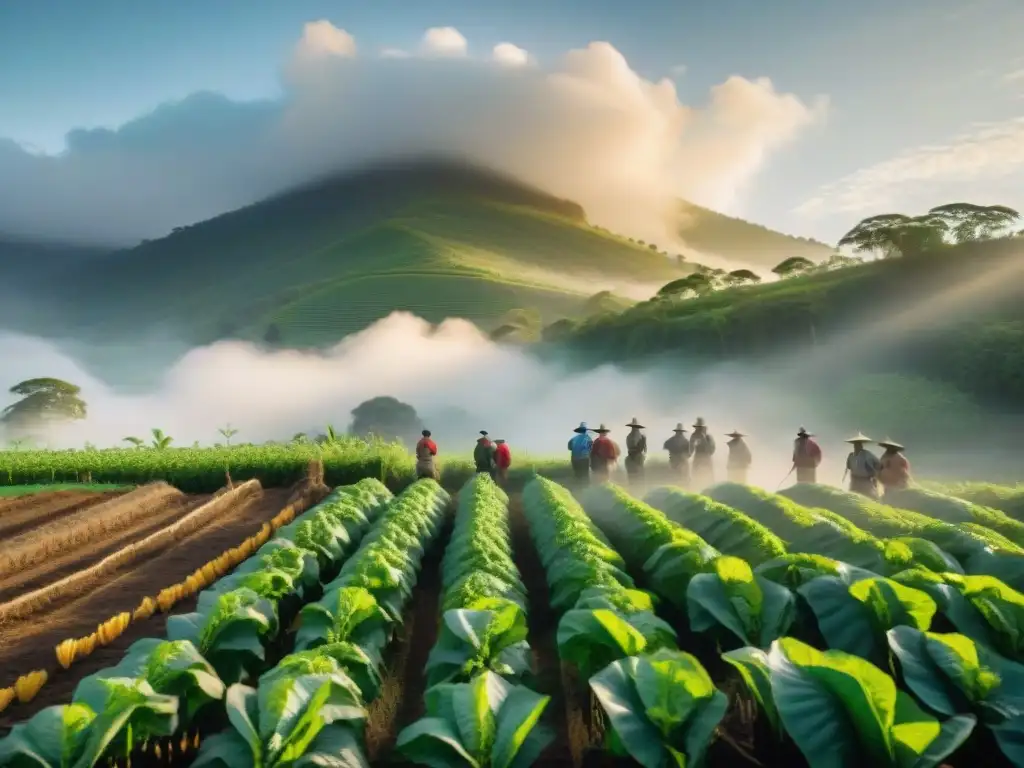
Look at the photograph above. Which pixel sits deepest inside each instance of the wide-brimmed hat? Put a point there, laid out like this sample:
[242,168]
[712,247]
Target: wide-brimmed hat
[483,432]
[602,430]
[887,443]
[700,422]
[735,433]
[679,428]
[582,428]
[635,423]
[860,437]
[499,439]
[804,433]
[425,433]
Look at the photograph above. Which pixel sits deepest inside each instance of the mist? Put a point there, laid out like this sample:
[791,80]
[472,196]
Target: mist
[587,128]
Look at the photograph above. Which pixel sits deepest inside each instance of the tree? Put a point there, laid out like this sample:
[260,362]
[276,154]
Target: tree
[161,440]
[600,303]
[794,265]
[967,222]
[896,234]
[138,442]
[696,283]
[43,401]
[741,277]
[228,432]
[386,418]
[519,324]
[273,334]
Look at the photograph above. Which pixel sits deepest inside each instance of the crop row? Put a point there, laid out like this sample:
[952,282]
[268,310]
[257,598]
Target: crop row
[477,711]
[160,687]
[201,470]
[837,706]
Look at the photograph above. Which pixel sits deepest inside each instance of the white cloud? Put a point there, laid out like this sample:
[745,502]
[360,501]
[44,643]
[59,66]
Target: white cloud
[444,41]
[588,129]
[988,156]
[512,55]
[394,53]
[678,70]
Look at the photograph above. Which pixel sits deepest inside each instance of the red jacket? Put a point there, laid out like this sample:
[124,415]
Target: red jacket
[806,453]
[502,456]
[605,448]
[425,447]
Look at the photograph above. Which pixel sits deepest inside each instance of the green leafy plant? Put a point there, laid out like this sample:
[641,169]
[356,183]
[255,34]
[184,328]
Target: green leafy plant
[854,617]
[304,712]
[228,629]
[345,614]
[485,723]
[981,607]
[730,595]
[106,719]
[172,668]
[952,675]
[663,708]
[841,710]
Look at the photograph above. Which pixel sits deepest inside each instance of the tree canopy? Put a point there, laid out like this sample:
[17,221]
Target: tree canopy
[44,400]
[794,265]
[897,234]
[386,418]
[741,277]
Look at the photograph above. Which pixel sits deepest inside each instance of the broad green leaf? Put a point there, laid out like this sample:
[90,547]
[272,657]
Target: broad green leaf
[591,639]
[520,738]
[752,665]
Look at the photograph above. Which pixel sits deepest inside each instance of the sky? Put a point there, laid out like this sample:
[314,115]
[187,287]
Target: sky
[805,115]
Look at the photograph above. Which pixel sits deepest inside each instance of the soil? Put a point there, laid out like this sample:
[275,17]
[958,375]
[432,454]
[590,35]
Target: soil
[543,625]
[400,701]
[29,644]
[79,558]
[24,512]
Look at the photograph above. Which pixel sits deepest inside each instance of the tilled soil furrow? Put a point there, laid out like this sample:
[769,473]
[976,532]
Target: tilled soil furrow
[18,516]
[401,696]
[542,623]
[21,582]
[29,644]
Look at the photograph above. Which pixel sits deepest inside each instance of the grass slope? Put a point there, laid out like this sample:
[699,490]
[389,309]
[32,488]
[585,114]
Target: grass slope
[325,261]
[742,241]
[956,316]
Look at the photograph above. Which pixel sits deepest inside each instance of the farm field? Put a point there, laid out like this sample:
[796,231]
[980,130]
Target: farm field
[583,626]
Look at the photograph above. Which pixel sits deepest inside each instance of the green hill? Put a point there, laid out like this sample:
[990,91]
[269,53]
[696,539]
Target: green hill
[308,267]
[955,316]
[742,241]
[324,261]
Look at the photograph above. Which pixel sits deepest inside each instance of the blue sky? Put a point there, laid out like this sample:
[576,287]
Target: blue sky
[898,74]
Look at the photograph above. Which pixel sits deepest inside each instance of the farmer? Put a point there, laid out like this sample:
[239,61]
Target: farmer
[636,451]
[426,450]
[862,466]
[806,457]
[894,471]
[702,448]
[502,460]
[604,455]
[678,447]
[739,461]
[483,454]
[579,451]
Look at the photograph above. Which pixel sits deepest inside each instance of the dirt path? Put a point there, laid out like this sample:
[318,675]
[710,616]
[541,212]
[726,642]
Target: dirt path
[24,512]
[543,626]
[401,696]
[23,581]
[29,644]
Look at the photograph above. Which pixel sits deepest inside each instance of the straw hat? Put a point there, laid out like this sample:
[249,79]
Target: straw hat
[425,433]
[700,422]
[483,432]
[499,440]
[635,423]
[860,437]
[887,443]
[582,428]
[602,430]
[679,427]
[735,434]
[804,433]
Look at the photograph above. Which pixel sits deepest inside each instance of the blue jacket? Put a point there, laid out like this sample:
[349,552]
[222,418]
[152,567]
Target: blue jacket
[580,445]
